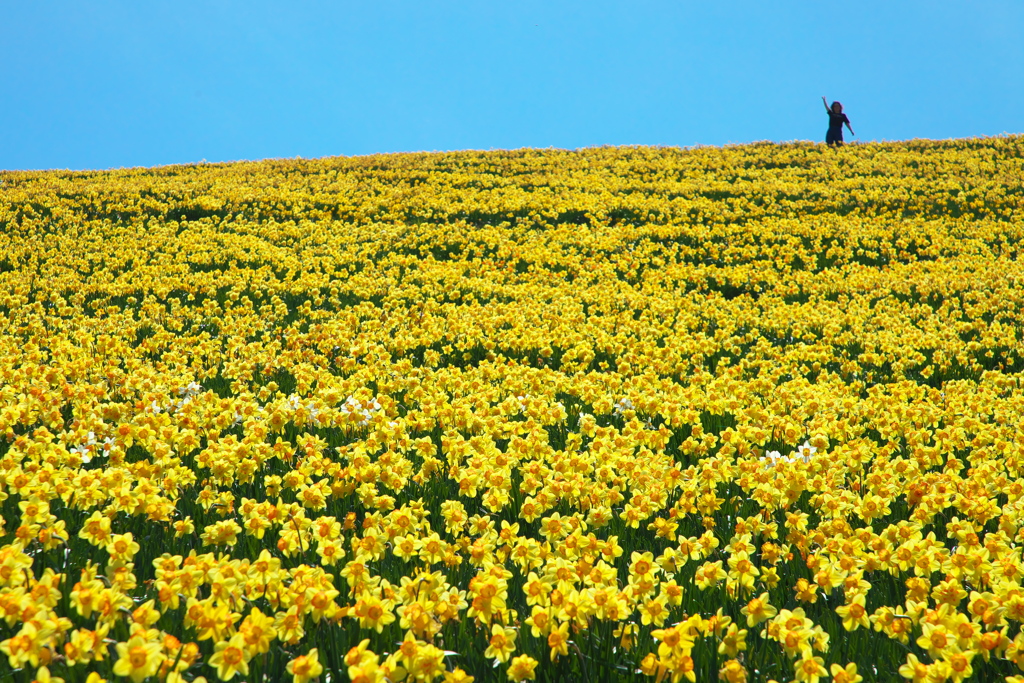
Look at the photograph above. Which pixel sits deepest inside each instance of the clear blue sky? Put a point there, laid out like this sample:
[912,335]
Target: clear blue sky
[110,84]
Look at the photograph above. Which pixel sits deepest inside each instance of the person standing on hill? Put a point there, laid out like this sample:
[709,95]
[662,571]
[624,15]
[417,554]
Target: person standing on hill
[836,119]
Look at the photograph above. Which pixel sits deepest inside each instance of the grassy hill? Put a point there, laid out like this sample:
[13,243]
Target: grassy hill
[615,413]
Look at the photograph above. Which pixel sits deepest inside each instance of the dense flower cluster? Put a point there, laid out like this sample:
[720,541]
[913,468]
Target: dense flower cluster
[640,414]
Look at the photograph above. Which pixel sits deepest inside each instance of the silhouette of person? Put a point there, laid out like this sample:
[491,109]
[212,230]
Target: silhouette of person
[836,119]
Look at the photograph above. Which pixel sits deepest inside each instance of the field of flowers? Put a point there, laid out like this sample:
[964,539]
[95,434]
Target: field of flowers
[630,414]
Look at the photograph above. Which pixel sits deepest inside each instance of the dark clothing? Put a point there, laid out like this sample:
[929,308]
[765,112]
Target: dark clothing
[835,127]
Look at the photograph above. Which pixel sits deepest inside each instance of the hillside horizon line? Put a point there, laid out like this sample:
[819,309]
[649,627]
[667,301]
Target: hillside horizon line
[809,144]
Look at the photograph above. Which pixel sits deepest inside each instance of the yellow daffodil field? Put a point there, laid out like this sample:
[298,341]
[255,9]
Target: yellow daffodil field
[619,414]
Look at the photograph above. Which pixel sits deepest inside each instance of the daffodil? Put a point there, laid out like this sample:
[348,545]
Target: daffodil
[502,643]
[138,658]
[522,668]
[305,667]
[231,657]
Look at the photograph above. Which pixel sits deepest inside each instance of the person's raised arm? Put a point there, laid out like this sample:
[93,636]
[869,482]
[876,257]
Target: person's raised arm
[825,102]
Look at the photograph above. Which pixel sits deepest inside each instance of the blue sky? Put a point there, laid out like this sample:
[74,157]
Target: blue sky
[114,84]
